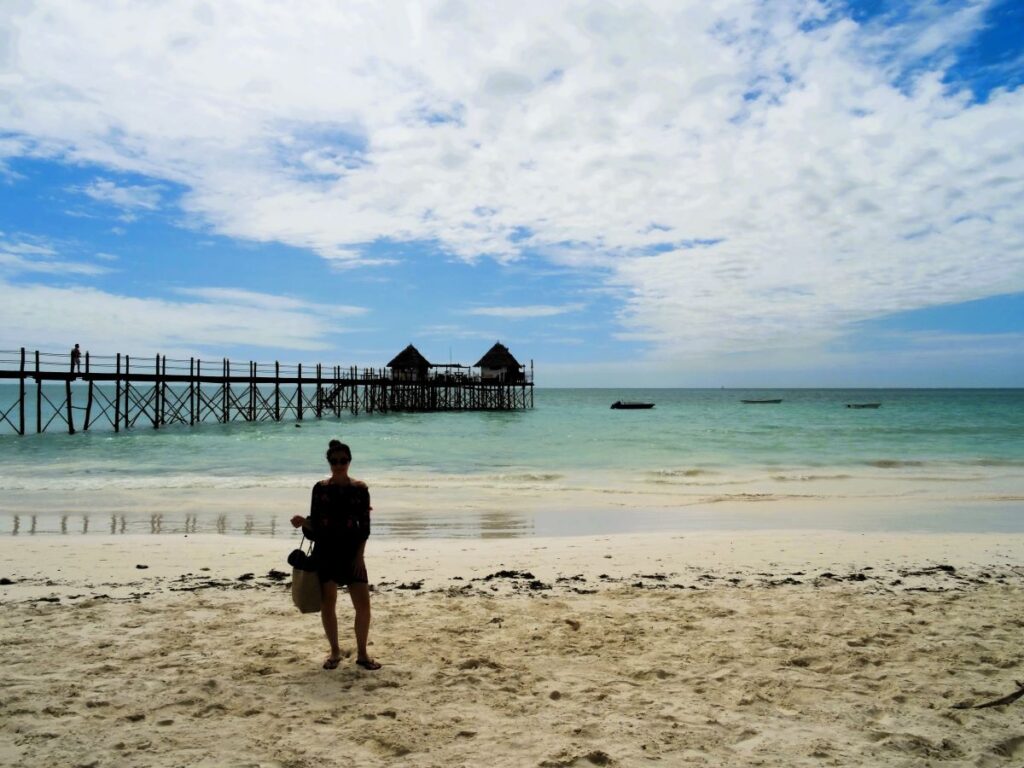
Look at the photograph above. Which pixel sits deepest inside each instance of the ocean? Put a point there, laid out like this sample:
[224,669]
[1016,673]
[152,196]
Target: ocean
[566,466]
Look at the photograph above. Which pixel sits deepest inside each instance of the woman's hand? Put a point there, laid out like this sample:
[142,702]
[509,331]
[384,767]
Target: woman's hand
[298,521]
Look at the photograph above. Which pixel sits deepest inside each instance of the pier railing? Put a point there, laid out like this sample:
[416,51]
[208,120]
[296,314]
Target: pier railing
[122,391]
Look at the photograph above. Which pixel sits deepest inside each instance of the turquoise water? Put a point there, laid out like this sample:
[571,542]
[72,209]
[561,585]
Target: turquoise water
[568,429]
[569,434]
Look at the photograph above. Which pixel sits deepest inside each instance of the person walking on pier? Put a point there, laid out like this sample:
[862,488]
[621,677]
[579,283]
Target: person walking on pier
[338,525]
[76,360]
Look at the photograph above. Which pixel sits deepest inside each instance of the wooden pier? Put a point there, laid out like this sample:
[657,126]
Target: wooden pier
[121,392]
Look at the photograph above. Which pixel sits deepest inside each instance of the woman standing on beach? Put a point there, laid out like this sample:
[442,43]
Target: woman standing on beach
[338,525]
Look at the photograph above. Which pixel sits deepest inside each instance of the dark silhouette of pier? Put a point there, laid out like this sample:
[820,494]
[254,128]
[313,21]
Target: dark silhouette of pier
[123,392]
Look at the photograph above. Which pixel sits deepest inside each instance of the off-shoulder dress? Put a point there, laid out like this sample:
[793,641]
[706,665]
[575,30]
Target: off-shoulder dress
[339,523]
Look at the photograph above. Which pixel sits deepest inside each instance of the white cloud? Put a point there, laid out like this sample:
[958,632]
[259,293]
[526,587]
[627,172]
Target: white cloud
[592,132]
[925,28]
[126,197]
[449,331]
[219,318]
[11,263]
[532,310]
[20,256]
[267,301]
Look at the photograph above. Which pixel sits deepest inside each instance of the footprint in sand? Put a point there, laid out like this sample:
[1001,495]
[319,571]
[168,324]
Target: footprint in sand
[1011,747]
[479,663]
[596,757]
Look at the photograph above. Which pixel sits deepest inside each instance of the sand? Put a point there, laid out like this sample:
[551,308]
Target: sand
[767,648]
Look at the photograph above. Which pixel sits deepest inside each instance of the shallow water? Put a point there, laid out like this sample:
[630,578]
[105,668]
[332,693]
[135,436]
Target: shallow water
[545,467]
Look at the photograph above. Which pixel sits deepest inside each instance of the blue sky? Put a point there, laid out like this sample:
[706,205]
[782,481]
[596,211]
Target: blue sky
[795,193]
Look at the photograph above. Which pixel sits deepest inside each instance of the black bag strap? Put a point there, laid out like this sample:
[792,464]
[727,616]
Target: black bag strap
[304,540]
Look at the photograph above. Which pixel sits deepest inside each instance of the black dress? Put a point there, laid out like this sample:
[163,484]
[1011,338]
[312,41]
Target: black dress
[339,522]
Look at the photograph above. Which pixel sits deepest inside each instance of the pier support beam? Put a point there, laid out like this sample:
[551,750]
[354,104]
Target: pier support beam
[156,394]
[226,365]
[39,397]
[277,391]
[71,415]
[21,394]
[127,388]
[88,399]
[319,391]
[117,395]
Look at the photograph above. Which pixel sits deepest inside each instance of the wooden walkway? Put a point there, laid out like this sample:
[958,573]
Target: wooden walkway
[121,392]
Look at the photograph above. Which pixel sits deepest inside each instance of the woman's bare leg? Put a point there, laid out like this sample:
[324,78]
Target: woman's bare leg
[329,616]
[360,594]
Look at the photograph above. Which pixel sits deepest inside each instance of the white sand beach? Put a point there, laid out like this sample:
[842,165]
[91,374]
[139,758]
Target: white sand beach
[716,648]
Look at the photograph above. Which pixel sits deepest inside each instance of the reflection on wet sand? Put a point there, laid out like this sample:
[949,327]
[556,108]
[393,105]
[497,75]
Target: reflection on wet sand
[466,524]
[408,521]
[490,524]
[504,524]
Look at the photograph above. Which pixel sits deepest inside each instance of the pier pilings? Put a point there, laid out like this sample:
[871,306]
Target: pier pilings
[117,395]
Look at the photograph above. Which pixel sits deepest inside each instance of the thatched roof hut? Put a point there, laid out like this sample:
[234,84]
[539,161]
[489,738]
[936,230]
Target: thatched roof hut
[409,364]
[499,364]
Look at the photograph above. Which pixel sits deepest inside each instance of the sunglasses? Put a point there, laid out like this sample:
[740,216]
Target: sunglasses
[340,460]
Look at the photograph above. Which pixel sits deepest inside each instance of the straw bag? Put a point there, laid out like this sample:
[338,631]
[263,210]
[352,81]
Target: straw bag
[305,582]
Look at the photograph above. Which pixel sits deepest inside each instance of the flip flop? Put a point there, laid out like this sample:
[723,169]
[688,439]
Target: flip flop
[367,664]
[331,663]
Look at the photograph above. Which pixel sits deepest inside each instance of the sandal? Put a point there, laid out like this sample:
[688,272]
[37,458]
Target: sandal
[332,663]
[368,664]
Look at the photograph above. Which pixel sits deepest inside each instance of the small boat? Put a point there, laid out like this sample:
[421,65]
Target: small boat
[863,405]
[622,405]
[761,402]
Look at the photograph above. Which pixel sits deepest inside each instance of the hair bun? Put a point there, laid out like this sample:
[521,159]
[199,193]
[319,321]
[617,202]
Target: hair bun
[334,444]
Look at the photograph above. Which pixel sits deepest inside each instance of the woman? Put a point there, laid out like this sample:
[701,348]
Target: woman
[338,524]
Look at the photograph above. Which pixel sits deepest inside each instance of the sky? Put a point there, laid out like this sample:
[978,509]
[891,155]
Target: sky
[724,193]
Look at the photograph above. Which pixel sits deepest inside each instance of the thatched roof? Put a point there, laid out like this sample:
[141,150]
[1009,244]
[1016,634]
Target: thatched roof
[409,357]
[498,356]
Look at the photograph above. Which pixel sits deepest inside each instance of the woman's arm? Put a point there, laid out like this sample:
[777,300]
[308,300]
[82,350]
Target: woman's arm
[307,522]
[363,513]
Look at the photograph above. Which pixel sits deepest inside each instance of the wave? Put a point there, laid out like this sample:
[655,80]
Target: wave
[681,472]
[956,462]
[206,481]
[151,482]
[894,463]
[24,479]
[530,477]
[808,478]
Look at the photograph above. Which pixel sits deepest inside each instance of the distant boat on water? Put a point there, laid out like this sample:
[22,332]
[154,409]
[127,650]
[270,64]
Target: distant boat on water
[622,405]
[863,405]
[761,402]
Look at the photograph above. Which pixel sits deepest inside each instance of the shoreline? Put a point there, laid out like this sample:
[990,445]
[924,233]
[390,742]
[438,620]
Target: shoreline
[680,560]
[532,504]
